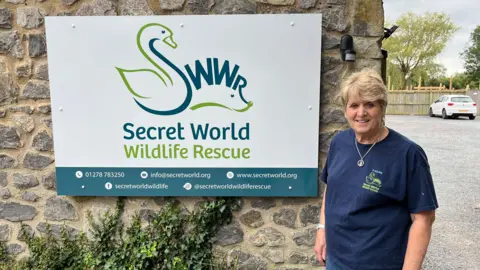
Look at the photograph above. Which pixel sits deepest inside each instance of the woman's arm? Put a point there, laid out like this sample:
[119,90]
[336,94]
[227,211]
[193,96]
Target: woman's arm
[320,245]
[322,209]
[418,239]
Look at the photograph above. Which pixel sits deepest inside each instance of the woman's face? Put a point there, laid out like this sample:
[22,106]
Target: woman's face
[365,117]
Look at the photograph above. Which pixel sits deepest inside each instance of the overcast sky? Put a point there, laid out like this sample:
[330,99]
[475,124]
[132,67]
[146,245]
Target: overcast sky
[464,13]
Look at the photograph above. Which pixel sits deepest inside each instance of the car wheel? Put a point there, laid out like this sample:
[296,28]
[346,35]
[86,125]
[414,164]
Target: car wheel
[444,114]
[430,113]
[471,117]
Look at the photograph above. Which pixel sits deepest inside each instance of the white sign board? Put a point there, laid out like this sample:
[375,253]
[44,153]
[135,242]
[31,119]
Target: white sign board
[186,105]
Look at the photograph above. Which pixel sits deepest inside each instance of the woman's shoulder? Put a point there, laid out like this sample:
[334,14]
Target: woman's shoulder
[412,148]
[402,139]
[342,136]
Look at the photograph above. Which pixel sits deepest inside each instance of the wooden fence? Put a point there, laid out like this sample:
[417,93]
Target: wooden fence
[416,102]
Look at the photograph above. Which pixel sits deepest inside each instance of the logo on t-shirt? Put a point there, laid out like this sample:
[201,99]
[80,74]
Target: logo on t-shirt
[372,182]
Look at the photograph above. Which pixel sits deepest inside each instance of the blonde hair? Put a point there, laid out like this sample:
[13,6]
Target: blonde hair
[366,84]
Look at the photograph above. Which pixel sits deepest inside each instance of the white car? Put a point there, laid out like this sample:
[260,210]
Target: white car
[453,106]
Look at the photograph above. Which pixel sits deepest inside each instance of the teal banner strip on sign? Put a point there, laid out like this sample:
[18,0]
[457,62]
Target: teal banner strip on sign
[244,182]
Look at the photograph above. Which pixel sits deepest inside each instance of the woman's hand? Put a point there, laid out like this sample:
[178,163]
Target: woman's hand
[320,246]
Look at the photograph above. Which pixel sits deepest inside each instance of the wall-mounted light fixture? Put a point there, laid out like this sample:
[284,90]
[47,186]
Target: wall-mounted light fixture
[346,49]
[386,34]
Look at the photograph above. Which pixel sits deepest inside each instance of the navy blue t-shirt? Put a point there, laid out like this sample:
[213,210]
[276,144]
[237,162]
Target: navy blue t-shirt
[367,209]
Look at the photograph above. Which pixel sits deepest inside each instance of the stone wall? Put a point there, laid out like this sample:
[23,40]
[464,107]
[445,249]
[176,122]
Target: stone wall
[267,231]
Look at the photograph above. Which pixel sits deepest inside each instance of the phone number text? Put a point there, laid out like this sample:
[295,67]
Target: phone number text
[105,174]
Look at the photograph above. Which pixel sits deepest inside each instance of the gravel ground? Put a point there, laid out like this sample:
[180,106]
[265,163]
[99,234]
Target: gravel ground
[453,150]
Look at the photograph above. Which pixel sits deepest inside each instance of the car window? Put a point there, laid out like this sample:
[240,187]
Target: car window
[462,99]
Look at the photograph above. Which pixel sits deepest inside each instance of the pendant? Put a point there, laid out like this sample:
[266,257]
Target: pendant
[360,163]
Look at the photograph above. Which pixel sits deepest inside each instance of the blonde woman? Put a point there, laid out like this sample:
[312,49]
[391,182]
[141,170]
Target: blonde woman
[379,201]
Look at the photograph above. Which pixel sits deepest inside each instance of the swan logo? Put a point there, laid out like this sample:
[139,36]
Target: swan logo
[372,181]
[213,74]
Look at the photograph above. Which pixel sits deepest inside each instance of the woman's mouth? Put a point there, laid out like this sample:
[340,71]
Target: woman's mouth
[362,121]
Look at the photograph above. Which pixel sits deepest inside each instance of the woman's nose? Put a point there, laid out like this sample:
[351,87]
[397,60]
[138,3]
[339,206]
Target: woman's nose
[362,111]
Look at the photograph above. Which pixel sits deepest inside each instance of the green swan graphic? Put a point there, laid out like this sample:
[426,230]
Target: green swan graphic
[167,40]
[166,36]
[373,180]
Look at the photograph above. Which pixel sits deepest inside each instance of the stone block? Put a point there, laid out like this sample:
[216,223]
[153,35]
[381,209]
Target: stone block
[37,45]
[305,238]
[25,123]
[235,7]
[36,89]
[335,18]
[5,193]
[24,181]
[310,214]
[229,235]
[201,7]
[171,4]
[36,161]
[263,203]
[98,8]
[3,179]
[8,88]
[29,196]
[43,141]
[134,7]
[286,217]
[13,211]
[50,181]
[30,17]
[269,237]
[59,209]
[252,219]
[5,18]
[11,44]
[306,4]
[57,230]
[277,2]
[41,72]
[9,137]
[7,161]
[368,19]
[4,232]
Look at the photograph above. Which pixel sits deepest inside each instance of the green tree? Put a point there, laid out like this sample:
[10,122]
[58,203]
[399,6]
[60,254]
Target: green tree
[417,41]
[472,57]
[430,73]
[459,81]
[394,75]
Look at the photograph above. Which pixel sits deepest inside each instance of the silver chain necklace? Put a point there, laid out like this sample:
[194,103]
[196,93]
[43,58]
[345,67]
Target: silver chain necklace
[360,162]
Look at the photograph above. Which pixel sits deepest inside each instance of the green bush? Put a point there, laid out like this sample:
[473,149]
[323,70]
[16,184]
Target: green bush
[174,239]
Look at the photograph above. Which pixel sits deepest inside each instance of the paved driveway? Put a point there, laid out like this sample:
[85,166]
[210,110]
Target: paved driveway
[453,149]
